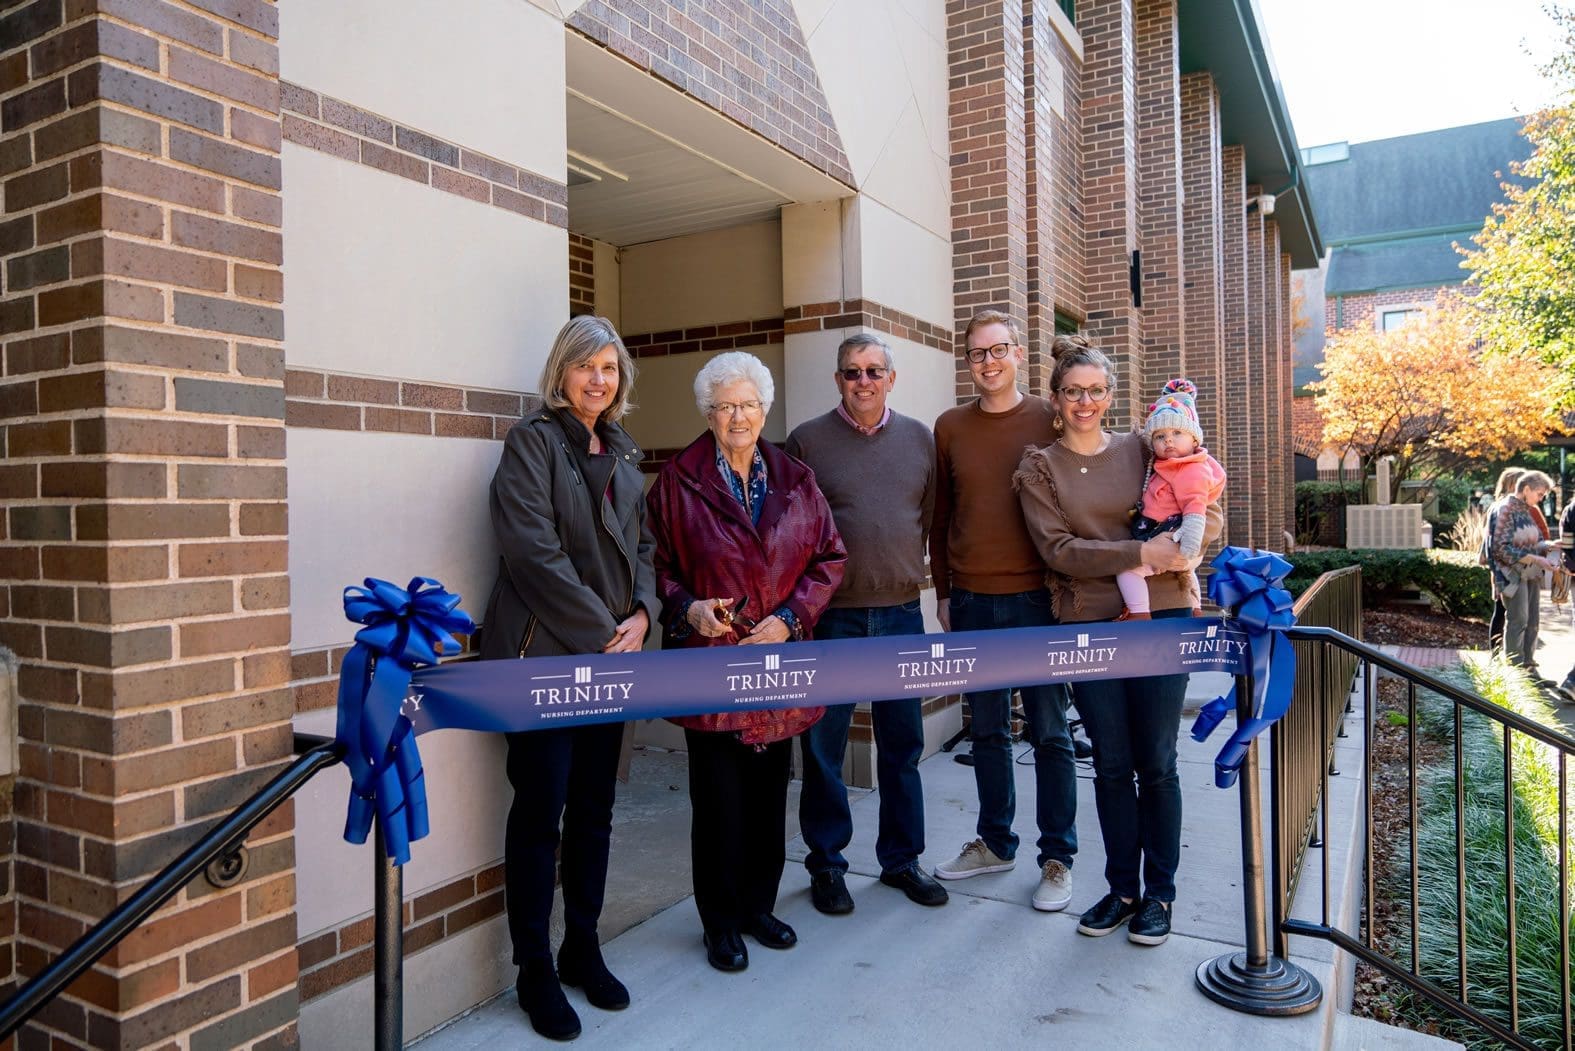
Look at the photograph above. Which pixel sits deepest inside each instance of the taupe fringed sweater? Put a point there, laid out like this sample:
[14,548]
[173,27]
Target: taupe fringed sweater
[1078,510]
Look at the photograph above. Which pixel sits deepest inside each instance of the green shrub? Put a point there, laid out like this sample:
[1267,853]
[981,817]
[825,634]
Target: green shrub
[1461,587]
[1320,511]
[1536,855]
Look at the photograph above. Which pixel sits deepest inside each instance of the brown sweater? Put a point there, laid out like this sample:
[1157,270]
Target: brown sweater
[1078,511]
[977,538]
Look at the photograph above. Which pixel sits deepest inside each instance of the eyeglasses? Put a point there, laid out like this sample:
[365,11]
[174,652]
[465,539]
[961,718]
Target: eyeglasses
[876,373]
[977,354]
[728,408]
[1084,393]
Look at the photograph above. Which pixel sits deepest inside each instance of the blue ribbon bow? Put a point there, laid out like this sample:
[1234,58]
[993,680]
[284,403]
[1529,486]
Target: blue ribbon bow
[1251,585]
[405,628]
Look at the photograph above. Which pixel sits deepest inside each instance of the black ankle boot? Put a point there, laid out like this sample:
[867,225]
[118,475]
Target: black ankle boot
[580,964]
[541,997]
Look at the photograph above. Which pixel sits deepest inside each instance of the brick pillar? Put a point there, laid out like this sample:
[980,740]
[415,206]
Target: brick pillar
[1277,407]
[1110,205]
[989,163]
[1236,378]
[1288,380]
[1202,335]
[582,275]
[1159,193]
[1255,404]
[1042,78]
[143,557]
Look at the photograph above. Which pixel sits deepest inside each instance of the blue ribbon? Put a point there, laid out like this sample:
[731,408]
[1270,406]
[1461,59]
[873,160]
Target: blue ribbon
[405,628]
[1251,586]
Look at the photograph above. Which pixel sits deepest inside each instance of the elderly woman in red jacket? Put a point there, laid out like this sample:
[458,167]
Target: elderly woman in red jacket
[746,554]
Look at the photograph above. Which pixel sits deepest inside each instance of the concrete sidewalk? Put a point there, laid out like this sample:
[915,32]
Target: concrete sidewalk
[984,969]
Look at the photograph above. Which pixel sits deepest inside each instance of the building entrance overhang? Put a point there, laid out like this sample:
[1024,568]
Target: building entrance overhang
[648,162]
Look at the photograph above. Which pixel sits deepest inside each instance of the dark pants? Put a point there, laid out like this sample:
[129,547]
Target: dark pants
[1496,625]
[567,773]
[823,813]
[1055,773]
[738,838]
[1133,725]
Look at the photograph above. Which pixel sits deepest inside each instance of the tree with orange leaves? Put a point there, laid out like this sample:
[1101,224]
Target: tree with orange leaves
[1427,395]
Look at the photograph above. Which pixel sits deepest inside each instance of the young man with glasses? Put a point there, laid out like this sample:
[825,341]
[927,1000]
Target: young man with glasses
[988,574]
[876,468]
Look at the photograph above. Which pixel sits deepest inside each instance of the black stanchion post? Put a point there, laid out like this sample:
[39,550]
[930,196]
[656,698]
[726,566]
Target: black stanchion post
[1255,981]
[388,992]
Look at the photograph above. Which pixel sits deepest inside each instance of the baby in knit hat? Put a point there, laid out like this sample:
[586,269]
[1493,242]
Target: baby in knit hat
[1183,480]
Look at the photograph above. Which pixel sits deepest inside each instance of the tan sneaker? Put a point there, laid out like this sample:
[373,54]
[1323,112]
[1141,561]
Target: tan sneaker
[976,859]
[1054,892]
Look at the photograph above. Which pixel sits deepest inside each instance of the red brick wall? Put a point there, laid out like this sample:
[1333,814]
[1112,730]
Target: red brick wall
[1110,209]
[989,164]
[1237,455]
[1066,144]
[1159,192]
[1202,233]
[1363,309]
[1274,355]
[748,61]
[1287,392]
[1039,53]
[582,275]
[1255,394]
[144,553]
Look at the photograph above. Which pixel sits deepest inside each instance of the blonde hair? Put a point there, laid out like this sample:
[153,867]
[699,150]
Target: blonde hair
[578,341]
[992,317]
[1506,480]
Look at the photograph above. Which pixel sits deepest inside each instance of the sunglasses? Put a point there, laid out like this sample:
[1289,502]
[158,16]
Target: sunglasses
[876,373]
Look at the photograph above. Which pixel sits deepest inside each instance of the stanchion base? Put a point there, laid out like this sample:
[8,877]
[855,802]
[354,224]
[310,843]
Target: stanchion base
[1281,988]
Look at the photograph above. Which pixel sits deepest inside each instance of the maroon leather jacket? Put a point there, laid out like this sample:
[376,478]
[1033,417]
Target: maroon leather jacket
[706,547]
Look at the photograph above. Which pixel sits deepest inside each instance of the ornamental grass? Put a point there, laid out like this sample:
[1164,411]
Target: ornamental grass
[1536,856]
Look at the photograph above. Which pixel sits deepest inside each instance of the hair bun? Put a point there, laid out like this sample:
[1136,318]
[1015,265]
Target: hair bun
[1183,386]
[1069,343]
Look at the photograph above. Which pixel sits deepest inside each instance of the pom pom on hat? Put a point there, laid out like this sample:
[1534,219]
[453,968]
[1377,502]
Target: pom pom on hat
[1176,407]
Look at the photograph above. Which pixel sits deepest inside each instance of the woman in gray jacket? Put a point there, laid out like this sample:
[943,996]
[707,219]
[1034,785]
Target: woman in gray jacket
[574,576]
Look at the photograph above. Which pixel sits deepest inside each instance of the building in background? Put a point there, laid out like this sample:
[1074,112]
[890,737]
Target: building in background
[279,275]
[1391,213]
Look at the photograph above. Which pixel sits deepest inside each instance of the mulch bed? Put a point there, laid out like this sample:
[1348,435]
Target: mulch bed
[1420,626]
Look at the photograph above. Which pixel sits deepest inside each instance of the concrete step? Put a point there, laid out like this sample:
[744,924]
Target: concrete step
[1353,1033]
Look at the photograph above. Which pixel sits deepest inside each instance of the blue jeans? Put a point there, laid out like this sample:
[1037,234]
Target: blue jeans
[1055,775]
[823,813]
[1133,725]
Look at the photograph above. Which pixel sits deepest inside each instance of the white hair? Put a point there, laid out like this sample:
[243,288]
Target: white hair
[728,368]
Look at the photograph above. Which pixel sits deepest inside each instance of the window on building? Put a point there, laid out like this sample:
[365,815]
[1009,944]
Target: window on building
[1389,320]
[1328,153]
[1065,324]
[1070,7]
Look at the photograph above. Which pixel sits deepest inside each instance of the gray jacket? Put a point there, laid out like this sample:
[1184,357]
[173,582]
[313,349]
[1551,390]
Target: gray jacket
[575,548]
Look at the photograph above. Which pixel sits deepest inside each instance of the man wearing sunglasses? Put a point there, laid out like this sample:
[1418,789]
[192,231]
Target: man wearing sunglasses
[988,574]
[876,468]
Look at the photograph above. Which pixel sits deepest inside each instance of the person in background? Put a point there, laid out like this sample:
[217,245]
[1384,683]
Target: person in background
[574,576]
[747,554]
[1505,486]
[876,468]
[1516,556]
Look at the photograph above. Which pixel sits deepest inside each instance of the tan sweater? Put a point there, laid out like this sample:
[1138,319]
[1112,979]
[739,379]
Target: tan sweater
[977,538]
[1078,510]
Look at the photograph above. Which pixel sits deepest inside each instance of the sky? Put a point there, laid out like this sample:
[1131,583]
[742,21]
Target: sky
[1358,70]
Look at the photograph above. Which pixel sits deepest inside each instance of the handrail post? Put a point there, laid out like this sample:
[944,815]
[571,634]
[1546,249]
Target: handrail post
[388,995]
[1255,981]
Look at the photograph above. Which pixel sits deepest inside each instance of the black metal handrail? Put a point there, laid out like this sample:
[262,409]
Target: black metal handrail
[313,754]
[1362,945]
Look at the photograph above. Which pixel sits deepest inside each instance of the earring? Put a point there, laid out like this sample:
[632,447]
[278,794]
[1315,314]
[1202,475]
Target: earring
[1058,424]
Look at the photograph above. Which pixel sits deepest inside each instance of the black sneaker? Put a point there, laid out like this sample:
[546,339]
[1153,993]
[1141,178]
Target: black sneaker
[1151,925]
[1107,915]
[829,893]
[1567,689]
